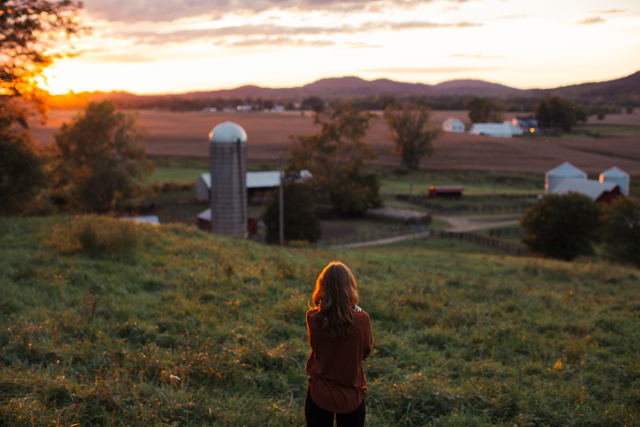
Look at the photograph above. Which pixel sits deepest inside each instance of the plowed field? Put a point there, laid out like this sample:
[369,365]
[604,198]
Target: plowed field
[185,134]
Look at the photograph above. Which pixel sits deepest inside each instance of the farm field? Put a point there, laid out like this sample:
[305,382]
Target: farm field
[192,329]
[174,134]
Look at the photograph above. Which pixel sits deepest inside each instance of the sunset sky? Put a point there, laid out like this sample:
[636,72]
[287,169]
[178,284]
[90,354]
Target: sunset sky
[170,46]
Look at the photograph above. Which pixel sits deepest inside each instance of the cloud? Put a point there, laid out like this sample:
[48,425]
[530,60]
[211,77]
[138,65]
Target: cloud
[267,31]
[130,11]
[280,41]
[608,11]
[117,58]
[430,70]
[361,45]
[475,56]
[591,20]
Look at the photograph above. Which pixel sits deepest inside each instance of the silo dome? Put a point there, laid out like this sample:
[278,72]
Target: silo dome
[227,133]
[617,176]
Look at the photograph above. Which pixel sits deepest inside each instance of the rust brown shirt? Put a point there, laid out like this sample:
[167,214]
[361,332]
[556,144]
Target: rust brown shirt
[336,378]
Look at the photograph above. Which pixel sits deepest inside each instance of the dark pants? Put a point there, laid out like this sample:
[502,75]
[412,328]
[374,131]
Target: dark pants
[318,417]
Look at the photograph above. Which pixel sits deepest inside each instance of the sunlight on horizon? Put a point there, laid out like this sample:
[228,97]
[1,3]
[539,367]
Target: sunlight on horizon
[506,42]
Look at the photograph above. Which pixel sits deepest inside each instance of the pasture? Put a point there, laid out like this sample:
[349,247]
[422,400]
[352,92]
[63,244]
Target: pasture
[185,328]
[172,134]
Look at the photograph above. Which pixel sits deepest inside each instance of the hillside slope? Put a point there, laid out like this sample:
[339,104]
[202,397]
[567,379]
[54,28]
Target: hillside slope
[194,329]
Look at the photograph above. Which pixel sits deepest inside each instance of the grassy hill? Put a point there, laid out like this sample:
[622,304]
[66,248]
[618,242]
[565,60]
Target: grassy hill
[186,328]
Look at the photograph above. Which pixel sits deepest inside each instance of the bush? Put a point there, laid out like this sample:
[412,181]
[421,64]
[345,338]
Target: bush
[94,235]
[621,231]
[300,220]
[561,226]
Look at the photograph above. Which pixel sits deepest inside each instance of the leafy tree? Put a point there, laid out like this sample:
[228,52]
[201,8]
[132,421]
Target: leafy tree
[313,103]
[485,110]
[409,130]
[556,112]
[21,173]
[338,158]
[27,29]
[97,162]
[300,220]
[561,226]
[621,230]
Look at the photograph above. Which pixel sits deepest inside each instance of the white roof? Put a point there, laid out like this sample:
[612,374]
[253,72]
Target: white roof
[566,169]
[227,133]
[151,219]
[452,120]
[263,179]
[205,215]
[260,179]
[588,187]
[491,129]
[614,172]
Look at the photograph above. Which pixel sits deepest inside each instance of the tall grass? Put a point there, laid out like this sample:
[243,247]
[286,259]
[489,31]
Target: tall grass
[195,329]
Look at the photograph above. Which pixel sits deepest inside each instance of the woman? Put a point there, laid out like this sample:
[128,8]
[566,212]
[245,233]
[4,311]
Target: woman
[340,339]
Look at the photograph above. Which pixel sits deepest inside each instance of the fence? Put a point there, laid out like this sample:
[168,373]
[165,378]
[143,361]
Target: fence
[500,232]
[476,207]
[489,242]
[378,234]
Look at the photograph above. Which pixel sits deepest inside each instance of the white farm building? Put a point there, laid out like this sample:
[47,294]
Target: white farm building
[453,125]
[502,130]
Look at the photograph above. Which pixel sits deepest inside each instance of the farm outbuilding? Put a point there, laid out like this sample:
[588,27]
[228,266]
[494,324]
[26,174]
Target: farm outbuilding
[453,125]
[599,192]
[259,185]
[565,171]
[502,130]
[617,176]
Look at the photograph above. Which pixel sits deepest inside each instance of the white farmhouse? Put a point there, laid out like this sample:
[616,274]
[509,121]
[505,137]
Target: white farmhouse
[453,125]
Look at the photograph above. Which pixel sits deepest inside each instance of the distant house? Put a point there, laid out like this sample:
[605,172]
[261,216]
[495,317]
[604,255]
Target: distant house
[528,124]
[453,125]
[599,192]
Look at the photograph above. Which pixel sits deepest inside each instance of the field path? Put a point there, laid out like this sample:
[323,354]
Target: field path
[460,224]
[474,222]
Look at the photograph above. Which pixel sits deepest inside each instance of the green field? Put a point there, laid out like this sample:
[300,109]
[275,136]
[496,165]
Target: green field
[191,329]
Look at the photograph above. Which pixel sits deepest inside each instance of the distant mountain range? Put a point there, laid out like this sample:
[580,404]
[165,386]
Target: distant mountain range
[449,94]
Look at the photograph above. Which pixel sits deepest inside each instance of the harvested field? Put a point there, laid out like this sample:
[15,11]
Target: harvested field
[185,135]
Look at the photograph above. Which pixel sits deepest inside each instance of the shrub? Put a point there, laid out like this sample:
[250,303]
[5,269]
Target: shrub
[95,235]
[561,226]
[300,220]
[621,230]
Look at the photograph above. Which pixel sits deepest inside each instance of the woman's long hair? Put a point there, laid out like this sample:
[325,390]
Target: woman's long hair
[334,296]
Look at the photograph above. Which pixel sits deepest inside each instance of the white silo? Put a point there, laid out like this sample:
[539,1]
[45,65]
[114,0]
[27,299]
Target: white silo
[617,176]
[228,156]
[557,175]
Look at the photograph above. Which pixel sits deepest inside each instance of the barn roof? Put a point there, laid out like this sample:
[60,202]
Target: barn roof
[588,187]
[452,120]
[268,179]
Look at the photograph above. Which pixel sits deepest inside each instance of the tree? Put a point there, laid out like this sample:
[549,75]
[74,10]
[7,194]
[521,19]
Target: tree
[338,158]
[561,226]
[409,130]
[313,103]
[27,28]
[485,110]
[556,112]
[300,220]
[97,162]
[621,230]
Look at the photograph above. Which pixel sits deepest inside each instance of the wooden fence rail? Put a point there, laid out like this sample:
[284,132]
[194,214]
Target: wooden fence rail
[489,242]
[465,207]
